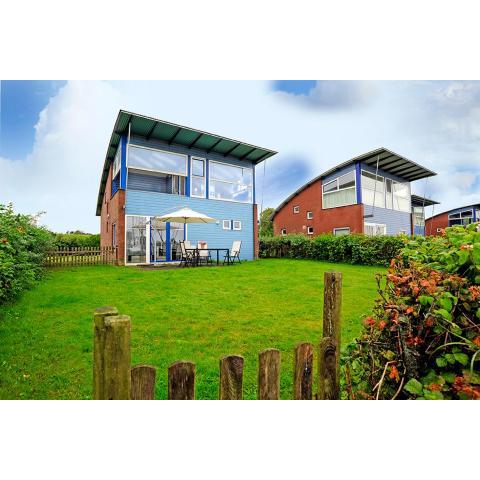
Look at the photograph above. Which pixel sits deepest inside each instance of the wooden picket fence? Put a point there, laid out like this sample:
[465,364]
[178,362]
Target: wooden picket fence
[79,256]
[115,379]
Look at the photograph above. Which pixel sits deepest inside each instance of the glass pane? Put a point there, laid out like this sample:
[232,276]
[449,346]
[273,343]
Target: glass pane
[198,168]
[368,181]
[340,232]
[176,236]
[159,241]
[467,213]
[401,204]
[340,198]
[368,197]
[167,162]
[136,240]
[400,190]
[347,181]
[330,186]
[117,160]
[198,187]
[230,173]
[230,191]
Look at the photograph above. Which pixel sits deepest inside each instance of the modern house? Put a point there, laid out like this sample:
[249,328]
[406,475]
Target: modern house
[368,194]
[153,167]
[457,216]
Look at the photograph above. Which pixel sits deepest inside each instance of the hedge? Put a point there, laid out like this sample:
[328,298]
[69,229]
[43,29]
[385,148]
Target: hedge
[69,240]
[357,249]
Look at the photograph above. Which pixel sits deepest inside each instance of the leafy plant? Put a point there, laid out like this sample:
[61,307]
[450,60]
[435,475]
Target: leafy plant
[423,339]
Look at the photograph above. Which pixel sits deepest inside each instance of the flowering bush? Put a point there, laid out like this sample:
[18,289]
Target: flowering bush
[22,248]
[423,338]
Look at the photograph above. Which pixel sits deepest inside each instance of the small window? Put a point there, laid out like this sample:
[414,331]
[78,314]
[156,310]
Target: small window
[284,231]
[309,215]
[296,209]
[339,232]
[439,230]
[310,230]
[237,225]
[227,225]
[198,180]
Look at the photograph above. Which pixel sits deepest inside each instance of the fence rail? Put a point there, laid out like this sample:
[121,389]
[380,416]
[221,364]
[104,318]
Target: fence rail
[115,379]
[79,256]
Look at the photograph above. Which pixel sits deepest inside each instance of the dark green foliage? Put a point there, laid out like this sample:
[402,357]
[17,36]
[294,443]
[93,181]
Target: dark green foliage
[423,339]
[266,225]
[77,239]
[22,248]
[357,249]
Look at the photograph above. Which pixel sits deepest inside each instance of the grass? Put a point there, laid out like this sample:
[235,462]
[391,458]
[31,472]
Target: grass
[185,314]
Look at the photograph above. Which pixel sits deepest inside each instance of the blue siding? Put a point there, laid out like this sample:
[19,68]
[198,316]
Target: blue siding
[123,167]
[338,173]
[149,183]
[152,204]
[418,230]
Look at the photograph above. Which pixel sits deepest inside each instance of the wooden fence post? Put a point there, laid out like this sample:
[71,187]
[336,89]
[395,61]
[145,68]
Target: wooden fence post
[303,372]
[143,382]
[231,378]
[328,372]
[329,355]
[269,374]
[117,358]
[181,381]
[99,317]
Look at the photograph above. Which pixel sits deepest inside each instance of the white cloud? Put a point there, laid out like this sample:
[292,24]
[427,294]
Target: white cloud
[61,175]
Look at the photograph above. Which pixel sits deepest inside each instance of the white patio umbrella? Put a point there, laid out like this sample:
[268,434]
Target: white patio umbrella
[186,215]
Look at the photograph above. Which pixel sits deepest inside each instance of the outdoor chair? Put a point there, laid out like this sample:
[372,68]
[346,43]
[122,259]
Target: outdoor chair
[203,255]
[187,257]
[234,253]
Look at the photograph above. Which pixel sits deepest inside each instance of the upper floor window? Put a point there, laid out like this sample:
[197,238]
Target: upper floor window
[146,158]
[418,217]
[309,215]
[229,182]
[460,218]
[296,209]
[198,180]
[340,192]
[385,193]
[117,161]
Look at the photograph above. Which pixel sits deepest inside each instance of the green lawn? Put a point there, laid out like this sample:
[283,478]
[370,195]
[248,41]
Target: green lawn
[184,314]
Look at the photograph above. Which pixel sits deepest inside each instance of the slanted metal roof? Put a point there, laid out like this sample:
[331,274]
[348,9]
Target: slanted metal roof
[153,128]
[418,201]
[388,161]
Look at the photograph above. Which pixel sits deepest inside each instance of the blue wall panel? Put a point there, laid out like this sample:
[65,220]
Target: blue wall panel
[154,204]
[396,222]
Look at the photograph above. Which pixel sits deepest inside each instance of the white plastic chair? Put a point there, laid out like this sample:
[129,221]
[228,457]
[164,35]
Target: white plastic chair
[234,252]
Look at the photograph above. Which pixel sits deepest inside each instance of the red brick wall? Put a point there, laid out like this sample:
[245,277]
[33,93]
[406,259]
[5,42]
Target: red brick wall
[324,221]
[113,212]
[438,221]
[255,231]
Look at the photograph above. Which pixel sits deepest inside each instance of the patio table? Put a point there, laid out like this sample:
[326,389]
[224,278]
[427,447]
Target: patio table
[196,253]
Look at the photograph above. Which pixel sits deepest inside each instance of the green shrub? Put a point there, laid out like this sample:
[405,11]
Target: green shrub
[70,240]
[423,339]
[22,249]
[358,249]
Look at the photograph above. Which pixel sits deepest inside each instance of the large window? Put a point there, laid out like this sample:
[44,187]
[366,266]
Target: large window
[157,160]
[460,218]
[136,239]
[228,182]
[385,193]
[117,161]
[418,217]
[340,192]
[198,178]
[342,231]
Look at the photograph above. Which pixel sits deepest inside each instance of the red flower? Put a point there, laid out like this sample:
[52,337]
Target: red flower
[369,322]
[382,324]
[394,373]
[476,341]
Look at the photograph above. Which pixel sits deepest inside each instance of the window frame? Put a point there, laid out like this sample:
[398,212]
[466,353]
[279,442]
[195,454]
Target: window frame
[283,232]
[238,222]
[308,230]
[296,209]
[231,183]
[309,215]
[115,171]
[204,160]
[340,228]
[338,189]
[134,145]
[229,227]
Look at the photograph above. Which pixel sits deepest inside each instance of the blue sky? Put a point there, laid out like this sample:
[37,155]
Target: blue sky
[54,134]
[20,104]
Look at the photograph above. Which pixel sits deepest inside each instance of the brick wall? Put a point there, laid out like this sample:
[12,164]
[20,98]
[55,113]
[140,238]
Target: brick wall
[438,221]
[324,221]
[113,213]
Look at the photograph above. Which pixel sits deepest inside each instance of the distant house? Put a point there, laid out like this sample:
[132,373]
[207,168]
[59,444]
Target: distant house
[457,216]
[368,194]
[153,167]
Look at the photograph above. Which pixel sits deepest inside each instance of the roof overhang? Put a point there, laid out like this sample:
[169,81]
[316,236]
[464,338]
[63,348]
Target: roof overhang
[173,134]
[418,201]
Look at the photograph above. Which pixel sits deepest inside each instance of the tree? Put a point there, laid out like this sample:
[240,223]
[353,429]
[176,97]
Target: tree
[266,225]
